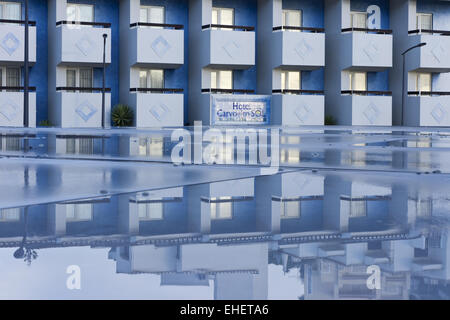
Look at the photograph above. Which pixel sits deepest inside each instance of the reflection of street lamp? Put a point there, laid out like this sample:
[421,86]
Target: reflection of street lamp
[404,76]
[23,252]
[104,76]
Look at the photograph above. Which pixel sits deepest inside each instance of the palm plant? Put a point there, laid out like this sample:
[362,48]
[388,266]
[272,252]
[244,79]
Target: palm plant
[122,116]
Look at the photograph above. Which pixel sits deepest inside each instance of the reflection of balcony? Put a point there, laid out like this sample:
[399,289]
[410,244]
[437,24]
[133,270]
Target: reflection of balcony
[82,42]
[157,45]
[11,107]
[230,48]
[298,107]
[158,107]
[12,33]
[434,56]
[81,107]
[428,109]
[299,49]
[370,49]
[367,107]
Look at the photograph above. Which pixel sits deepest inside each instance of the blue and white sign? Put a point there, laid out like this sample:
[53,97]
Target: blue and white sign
[240,109]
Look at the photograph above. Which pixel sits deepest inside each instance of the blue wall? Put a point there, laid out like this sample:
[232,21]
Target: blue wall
[440,11]
[378,81]
[39,72]
[245,14]
[311,218]
[361,5]
[176,13]
[313,11]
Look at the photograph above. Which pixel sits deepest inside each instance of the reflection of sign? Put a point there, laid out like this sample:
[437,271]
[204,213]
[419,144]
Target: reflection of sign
[239,109]
[373,17]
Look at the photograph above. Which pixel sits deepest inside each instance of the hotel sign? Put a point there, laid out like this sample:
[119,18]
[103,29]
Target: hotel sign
[240,109]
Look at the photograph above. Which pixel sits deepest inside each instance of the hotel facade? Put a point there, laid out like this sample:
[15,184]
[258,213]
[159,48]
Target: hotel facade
[252,62]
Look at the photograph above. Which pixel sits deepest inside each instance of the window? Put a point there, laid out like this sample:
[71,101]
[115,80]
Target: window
[358,208]
[424,207]
[358,81]
[153,147]
[151,78]
[424,21]
[80,12]
[80,146]
[78,212]
[290,156]
[292,18]
[290,80]
[10,10]
[221,210]
[152,14]
[223,16]
[358,20]
[290,209]
[423,82]
[10,144]
[71,78]
[150,211]
[86,78]
[82,77]
[221,79]
[13,77]
[10,215]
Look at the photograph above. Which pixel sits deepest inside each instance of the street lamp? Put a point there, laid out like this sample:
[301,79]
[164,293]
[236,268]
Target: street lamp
[404,76]
[26,78]
[104,76]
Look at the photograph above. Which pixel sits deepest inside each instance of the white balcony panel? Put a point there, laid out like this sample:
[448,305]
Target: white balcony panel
[428,111]
[228,48]
[159,110]
[303,50]
[81,110]
[434,57]
[297,110]
[11,109]
[367,51]
[162,48]
[12,43]
[82,45]
[367,110]
[233,188]
[298,184]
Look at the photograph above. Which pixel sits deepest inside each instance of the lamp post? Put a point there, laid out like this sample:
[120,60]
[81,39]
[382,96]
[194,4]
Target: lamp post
[104,76]
[26,66]
[404,76]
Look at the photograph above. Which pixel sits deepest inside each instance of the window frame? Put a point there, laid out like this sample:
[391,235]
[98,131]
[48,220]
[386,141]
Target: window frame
[285,79]
[284,18]
[3,3]
[284,209]
[351,78]
[218,84]
[148,8]
[78,75]
[147,207]
[419,16]
[354,13]
[219,17]
[419,79]
[78,12]
[216,208]
[76,206]
[149,78]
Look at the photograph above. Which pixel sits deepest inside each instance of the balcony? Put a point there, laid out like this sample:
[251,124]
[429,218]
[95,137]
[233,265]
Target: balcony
[366,108]
[12,35]
[11,107]
[305,49]
[428,109]
[81,108]
[157,45]
[158,107]
[298,107]
[434,56]
[82,42]
[234,48]
[368,49]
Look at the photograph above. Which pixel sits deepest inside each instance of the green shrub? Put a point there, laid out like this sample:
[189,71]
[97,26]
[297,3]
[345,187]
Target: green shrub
[330,121]
[45,123]
[122,116]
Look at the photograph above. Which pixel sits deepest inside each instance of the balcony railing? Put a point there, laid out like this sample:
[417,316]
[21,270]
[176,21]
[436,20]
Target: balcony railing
[291,91]
[367,92]
[429,93]
[82,89]
[31,23]
[84,23]
[224,26]
[367,30]
[157,90]
[239,91]
[16,89]
[293,28]
[440,32]
[157,25]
